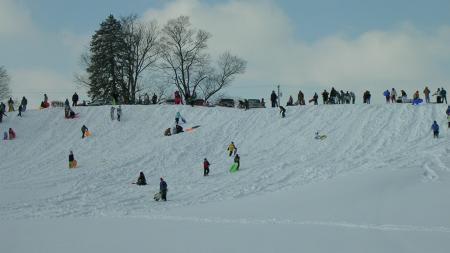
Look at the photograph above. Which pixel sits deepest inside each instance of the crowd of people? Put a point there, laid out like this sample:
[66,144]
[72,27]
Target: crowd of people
[332,97]
[392,96]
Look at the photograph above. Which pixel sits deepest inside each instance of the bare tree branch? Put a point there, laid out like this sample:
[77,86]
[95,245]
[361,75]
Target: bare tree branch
[228,66]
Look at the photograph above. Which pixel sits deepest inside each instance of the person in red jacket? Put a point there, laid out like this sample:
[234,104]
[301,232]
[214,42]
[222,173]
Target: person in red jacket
[206,167]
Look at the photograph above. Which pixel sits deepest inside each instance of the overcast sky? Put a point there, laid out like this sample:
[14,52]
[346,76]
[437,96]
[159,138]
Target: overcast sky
[307,45]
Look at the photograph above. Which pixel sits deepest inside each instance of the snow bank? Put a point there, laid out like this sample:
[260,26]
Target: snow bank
[378,177]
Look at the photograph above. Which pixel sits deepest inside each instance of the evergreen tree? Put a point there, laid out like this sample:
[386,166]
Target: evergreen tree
[104,68]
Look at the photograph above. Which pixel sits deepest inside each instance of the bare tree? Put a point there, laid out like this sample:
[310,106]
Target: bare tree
[228,66]
[5,91]
[140,54]
[82,79]
[189,67]
[183,57]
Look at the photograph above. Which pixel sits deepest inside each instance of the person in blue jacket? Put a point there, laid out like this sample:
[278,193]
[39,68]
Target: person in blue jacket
[435,128]
[448,115]
[387,94]
[163,189]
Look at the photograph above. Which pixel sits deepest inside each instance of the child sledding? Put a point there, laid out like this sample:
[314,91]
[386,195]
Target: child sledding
[72,161]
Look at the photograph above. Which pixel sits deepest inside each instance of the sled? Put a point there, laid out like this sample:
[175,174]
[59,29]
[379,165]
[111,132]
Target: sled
[320,137]
[233,167]
[73,164]
[157,196]
[417,101]
[87,133]
[77,115]
[191,128]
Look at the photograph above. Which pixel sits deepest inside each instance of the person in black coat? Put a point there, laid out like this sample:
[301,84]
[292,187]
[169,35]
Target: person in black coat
[84,129]
[237,160]
[24,104]
[163,189]
[314,99]
[20,111]
[71,160]
[75,99]
[179,129]
[325,96]
[141,180]
[273,99]
[282,111]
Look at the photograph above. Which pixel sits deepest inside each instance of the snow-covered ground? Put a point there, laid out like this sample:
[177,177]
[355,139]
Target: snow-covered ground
[378,183]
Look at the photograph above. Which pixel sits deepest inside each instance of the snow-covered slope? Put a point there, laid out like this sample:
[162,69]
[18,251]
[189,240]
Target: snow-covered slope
[378,170]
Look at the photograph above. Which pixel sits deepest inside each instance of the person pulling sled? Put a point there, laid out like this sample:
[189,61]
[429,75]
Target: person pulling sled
[162,194]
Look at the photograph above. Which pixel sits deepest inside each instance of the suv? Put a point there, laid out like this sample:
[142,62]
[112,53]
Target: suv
[226,102]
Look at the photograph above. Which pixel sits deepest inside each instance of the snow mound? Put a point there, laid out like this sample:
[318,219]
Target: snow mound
[277,154]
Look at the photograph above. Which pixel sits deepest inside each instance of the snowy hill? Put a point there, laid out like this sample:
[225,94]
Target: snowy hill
[378,183]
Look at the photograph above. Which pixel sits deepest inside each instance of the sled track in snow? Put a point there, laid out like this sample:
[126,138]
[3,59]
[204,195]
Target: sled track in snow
[275,221]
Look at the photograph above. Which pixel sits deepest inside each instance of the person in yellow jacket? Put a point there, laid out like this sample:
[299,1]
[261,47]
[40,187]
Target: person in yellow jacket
[232,148]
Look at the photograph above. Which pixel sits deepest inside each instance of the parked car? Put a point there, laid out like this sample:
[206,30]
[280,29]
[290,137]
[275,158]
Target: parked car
[226,102]
[254,103]
[199,102]
[404,100]
[170,101]
[97,102]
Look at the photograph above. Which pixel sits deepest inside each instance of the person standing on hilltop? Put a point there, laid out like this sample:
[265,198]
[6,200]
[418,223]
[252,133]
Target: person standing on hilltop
[393,95]
[387,95]
[325,96]
[443,95]
[75,99]
[10,105]
[273,99]
[301,98]
[438,96]
[24,104]
[427,92]
[448,115]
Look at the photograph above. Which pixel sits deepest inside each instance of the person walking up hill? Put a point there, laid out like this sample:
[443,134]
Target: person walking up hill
[232,148]
[435,128]
[206,167]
